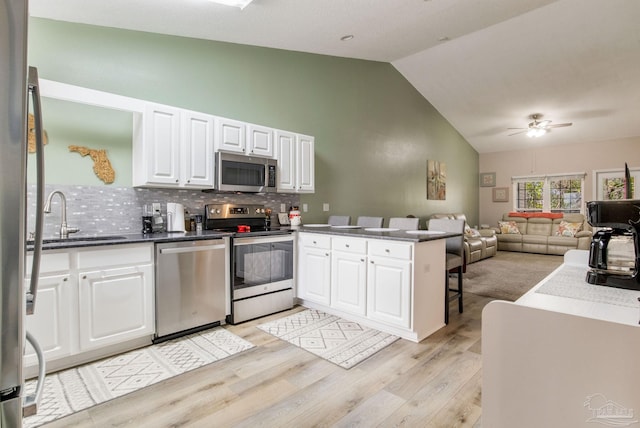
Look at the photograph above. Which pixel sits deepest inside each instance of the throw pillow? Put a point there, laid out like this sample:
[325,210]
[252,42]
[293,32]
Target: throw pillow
[508,227]
[472,233]
[568,229]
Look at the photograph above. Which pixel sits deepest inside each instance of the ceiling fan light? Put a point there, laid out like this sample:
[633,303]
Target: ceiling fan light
[536,132]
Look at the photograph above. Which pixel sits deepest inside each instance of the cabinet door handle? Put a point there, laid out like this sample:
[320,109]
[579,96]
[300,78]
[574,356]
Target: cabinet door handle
[326,254]
[362,260]
[346,245]
[387,250]
[178,250]
[176,181]
[64,279]
[84,276]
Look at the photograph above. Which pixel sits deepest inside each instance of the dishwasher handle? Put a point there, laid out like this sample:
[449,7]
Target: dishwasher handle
[179,250]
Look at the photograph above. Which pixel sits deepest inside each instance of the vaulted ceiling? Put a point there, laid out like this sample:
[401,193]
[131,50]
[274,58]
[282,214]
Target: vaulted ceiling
[486,65]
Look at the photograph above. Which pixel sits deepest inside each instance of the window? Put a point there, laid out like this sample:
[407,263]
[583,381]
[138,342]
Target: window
[566,195]
[529,195]
[551,193]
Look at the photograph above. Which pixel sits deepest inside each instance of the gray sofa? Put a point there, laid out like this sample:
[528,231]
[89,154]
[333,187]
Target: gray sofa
[478,244]
[544,235]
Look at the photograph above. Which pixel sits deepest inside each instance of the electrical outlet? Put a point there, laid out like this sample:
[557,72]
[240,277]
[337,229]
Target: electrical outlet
[283,208]
[305,208]
[156,207]
[325,207]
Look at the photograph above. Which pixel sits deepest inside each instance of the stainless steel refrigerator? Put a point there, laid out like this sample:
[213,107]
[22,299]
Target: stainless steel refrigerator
[18,85]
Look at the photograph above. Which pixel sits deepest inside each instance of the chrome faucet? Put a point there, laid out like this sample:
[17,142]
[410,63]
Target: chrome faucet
[64,229]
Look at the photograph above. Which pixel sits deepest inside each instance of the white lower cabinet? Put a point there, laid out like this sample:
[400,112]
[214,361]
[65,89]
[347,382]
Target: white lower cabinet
[349,282]
[389,285]
[90,299]
[115,305]
[349,275]
[314,268]
[392,285]
[315,278]
[51,322]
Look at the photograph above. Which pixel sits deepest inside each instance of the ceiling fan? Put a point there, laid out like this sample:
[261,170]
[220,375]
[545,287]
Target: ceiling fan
[538,127]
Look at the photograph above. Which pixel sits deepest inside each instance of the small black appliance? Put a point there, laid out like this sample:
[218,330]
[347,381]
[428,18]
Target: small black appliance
[614,256]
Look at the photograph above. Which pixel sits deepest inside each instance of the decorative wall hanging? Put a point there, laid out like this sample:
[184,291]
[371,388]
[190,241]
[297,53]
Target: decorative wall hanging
[487,179]
[436,180]
[501,194]
[31,134]
[101,164]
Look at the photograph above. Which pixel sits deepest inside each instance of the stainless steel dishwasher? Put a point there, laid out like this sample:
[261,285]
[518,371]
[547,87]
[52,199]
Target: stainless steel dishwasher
[191,286]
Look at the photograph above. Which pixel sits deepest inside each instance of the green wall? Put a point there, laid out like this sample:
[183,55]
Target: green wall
[374,132]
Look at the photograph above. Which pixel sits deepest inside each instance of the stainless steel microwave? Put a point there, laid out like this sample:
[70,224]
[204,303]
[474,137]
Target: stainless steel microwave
[240,173]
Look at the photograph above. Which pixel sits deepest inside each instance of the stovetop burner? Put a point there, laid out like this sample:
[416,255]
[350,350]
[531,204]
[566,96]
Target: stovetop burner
[244,220]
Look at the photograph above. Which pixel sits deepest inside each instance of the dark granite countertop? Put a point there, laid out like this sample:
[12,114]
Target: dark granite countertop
[78,241]
[395,235]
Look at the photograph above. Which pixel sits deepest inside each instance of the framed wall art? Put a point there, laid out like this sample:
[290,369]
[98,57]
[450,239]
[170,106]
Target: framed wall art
[436,180]
[501,194]
[487,179]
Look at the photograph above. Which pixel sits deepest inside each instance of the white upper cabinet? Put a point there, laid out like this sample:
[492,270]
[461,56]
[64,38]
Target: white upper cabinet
[173,148]
[259,140]
[197,166]
[305,168]
[231,135]
[241,137]
[286,156]
[159,157]
[295,155]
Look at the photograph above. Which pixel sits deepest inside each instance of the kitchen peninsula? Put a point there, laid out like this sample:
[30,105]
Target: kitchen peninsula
[391,280]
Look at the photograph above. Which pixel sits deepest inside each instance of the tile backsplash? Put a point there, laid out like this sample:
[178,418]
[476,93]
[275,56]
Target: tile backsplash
[118,210]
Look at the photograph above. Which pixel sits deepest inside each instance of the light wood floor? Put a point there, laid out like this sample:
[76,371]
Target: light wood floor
[435,383]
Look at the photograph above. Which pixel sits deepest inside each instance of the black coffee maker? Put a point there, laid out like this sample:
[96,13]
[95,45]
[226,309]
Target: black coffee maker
[614,257]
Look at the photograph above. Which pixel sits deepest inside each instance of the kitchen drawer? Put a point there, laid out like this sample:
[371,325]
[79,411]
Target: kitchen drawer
[349,245]
[384,248]
[313,240]
[50,262]
[114,255]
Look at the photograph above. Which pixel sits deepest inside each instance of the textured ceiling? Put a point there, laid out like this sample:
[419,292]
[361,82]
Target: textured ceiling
[500,61]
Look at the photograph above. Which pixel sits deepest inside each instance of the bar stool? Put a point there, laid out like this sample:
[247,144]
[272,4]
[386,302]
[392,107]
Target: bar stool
[370,221]
[404,223]
[455,259]
[339,220]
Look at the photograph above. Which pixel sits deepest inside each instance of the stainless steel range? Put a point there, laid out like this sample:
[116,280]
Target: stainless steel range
[261,260]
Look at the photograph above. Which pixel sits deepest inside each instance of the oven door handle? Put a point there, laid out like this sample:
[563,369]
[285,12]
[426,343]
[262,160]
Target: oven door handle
[192,249]
[261,240]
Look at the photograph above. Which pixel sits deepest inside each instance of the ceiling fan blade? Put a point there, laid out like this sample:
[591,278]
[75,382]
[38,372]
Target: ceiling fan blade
[559,125]
[517,128]
[516,133]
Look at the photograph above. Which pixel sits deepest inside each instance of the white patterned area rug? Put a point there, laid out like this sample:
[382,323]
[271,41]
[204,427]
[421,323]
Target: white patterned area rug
[342,342]
[81,387]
